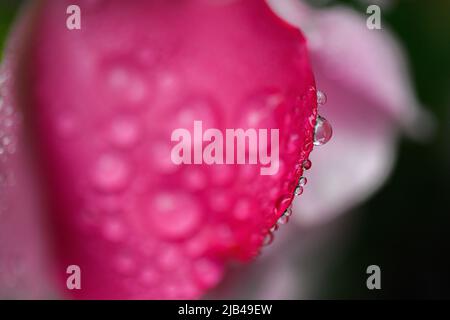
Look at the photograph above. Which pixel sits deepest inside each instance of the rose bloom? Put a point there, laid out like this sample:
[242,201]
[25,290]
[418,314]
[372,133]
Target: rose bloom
[63,109]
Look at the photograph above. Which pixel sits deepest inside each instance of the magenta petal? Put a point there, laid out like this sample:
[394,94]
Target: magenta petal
[101,103]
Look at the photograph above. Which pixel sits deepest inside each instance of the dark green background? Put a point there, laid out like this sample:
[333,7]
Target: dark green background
[404,228]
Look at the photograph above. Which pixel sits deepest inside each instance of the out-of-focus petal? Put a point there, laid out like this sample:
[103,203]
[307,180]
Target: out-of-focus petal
[25,262]
[294,267]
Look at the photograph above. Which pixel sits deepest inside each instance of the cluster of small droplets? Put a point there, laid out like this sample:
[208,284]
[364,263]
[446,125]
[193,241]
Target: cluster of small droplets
[284,219]
[322,134]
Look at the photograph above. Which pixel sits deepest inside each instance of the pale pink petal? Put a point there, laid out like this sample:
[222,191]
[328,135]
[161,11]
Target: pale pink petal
[353,165]
[370,97]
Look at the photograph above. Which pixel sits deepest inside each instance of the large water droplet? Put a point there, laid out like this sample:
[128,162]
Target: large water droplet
[323,131]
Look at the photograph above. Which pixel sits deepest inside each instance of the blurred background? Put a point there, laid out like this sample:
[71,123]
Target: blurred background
[404,227]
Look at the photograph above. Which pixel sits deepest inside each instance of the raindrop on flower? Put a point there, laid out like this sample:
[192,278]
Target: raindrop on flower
[268,239]
[323,131]
[298,190]
[302,181]
[6,140]
[111,173]
[321,98]
[306,164]
[9,111]
[288,212]
[283,219]
[274,228]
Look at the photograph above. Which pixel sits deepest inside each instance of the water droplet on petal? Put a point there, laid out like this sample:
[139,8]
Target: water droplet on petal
[6,140]
[283,219]
[243,209]
[174,215]
[8,122]
[321,98]
[208,273]
[126,84]
[66,125]
[274,228]
[288,212]
[322,132]
[149,276]
[222,175]
[113,230]
[298,191]
[268,239]
[258,109]
[307,164]
[9,111]
[170,258]
[125,264]
[124,132]
[194,178]
[160,158]
[111,173]
[302,181]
